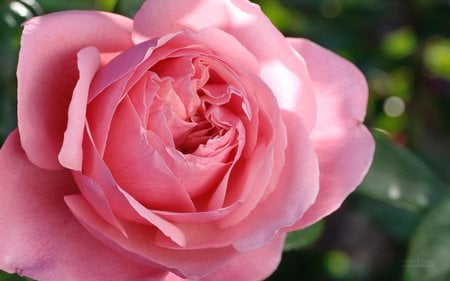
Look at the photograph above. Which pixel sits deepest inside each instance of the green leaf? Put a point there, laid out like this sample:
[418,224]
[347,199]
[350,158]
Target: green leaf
[429,253]
[11,277]
[282,17]
[105,5]
[129,7]
[400,178]
[11,17]
[52,5]
[398,223]
[303,238]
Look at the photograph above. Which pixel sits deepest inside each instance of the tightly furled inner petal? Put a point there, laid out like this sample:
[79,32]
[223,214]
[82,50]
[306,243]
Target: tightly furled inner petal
[186,99]
[184,125]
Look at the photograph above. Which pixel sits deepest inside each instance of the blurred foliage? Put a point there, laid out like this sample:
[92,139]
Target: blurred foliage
[398,177]
[429,256]
[399,43]
[303,238]
[436,57]
[396,226]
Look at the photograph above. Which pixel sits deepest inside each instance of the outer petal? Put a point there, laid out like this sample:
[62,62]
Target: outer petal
[343,144]
[47,73]
[71,154]
[281,68]
[40,238]
[190,263]
[296,191]
[255,265]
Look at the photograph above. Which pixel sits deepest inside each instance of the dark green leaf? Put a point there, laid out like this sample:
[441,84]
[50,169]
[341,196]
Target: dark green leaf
[129,7]
[11,16]
[399,223]
[303,238]
[10,277]
[429,253]
[400,178]
[51,5]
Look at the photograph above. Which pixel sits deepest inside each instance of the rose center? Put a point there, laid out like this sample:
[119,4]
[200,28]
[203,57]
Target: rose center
[197,100]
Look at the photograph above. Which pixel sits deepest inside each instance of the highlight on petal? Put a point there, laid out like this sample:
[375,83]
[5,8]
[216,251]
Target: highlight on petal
[47,73]
[281,68]
[40,238]
[343,144]
[71,154]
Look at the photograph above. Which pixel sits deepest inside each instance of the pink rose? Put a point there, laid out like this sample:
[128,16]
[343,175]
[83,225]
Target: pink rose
[184,143]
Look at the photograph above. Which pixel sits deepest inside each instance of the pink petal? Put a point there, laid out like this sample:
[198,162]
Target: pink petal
[197,176]
[343,144]
[96,173]
[71,154]
[296,191]
[47,73]
[101,190]
[196,217]
[138,245]
[174,277]
[265,144]
[127,69]
[210,38]
[282,69]
[255,265]
[96,197]
[138,168]
[220,234]
[40,238]
[113,82]
[121,66]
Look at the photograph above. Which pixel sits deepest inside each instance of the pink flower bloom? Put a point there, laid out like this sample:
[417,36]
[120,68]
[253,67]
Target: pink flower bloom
[184,143]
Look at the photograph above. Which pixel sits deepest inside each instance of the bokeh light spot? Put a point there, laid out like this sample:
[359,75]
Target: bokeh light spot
[337,263]
[10,20]
[393,106]
[20,9]
[399,43]
[394,192]
[436,57]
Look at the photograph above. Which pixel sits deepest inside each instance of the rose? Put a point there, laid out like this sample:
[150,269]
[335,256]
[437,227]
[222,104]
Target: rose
[184,143]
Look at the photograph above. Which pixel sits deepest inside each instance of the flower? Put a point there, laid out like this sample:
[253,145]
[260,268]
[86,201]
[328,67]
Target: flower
[184,143]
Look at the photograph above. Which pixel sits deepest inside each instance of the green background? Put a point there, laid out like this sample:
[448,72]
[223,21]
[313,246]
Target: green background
[396,226]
